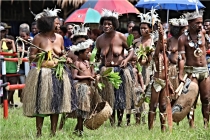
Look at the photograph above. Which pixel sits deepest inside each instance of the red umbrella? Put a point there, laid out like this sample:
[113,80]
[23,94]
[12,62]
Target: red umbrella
[87,15]
[120,6]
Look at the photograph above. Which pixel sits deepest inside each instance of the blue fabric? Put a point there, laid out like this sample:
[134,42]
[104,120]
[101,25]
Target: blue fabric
[169,4]
[67,43]
[89,4]
[32,35]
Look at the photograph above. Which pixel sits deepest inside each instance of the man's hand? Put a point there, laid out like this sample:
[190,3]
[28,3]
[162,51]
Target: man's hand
[181,78]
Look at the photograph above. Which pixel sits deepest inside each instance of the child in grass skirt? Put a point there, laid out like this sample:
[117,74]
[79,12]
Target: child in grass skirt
[136,96]
[85,89]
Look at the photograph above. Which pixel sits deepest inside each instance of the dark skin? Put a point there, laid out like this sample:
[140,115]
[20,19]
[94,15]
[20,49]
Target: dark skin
[189,59]
[114,40]
[206,26]
[82,63]
[111,45]
[145,40]
[159,97]
[71,54]
[138,82]
[34,29]
[138,76]
[172,46]
[130,26]
[86,76]
[43,40]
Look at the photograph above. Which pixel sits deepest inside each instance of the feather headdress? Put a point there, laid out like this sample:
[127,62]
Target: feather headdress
[47,13]
[108,13]
[80,30]
[150,17]
[193,15]
[81,46]
[178,22]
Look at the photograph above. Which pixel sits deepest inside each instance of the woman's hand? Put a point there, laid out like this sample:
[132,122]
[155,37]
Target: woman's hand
[69,60]
[124,63]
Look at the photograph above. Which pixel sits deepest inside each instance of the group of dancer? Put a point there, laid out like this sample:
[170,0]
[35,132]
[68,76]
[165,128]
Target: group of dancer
[66,82]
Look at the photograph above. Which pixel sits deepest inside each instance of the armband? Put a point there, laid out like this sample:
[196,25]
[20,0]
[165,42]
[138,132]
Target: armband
[181,52]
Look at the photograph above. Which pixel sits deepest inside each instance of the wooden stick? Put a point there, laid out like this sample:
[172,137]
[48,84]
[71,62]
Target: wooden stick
[181,84]
[71,65]
[168,107]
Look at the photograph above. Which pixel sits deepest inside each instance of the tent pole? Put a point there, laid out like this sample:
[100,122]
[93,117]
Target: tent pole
[144,10]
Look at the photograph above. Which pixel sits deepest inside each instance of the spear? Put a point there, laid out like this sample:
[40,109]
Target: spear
[168,108]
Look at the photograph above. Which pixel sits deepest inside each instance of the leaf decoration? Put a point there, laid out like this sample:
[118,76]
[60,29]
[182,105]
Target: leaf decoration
[144,51]
[93,55]
[106,72]
[101,86]
[139,67]
[41,57]
[59,69]
[113,77]
[130,39]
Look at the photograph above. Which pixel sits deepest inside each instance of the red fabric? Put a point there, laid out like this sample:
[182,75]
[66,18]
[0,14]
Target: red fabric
[77,16]
[120,6]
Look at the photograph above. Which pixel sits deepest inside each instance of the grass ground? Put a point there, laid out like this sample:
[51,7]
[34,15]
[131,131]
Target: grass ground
[18,127]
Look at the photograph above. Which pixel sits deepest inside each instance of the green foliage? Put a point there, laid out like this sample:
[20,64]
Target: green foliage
[19,127]
[59,69]
[40,56]
[144,51]
[93,55]
[101,86]
[139,67]
[130,39]
[113,77]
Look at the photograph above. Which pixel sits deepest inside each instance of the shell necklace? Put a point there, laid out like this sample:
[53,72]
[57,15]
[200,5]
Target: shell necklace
[198,52]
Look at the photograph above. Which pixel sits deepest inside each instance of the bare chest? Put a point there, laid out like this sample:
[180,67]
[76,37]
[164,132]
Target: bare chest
[114,46]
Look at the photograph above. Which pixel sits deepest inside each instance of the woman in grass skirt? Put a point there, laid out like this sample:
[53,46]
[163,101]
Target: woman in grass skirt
[46,94]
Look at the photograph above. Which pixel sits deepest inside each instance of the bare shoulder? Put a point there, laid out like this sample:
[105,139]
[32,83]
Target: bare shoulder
[98,40]
[99,37]
[182,38]
[76,63]
[203,31]
[58,36]
[37,39]
[121,35]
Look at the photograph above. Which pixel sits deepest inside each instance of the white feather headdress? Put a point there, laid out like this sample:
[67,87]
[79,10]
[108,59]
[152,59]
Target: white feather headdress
[108,13]
[80,30]
[81,46]
[178,22]
[47,13]
[150,17]
[193,15]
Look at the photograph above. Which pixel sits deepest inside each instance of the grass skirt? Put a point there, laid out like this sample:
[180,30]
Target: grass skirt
[121,98]
[87,99]
[45,94]
[173,77]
